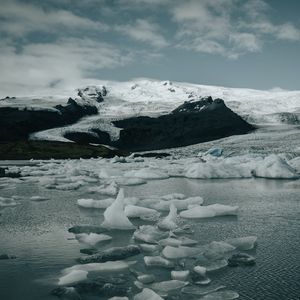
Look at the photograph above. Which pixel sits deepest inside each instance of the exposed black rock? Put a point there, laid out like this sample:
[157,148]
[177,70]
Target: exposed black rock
[112,254]
[51,149]
[191,123]
[152,154]
[17,124]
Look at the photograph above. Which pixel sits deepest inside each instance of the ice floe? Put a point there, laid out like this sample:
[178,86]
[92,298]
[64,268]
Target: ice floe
[147,294]
[92,238]
[73,277]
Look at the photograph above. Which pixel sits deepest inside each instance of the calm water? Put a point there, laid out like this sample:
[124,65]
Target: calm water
[36,232]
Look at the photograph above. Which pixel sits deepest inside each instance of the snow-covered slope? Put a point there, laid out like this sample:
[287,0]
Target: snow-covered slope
[153,98]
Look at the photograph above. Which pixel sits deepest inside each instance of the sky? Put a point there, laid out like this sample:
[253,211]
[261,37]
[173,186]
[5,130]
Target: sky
[51,44]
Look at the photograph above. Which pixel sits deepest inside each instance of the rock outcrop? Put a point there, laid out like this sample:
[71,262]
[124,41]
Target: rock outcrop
[17,124]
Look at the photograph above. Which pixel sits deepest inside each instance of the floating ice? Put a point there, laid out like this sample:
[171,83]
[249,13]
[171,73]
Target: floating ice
[180,204]
[180,252]
[147,294]
[173,196]
[274,166]
[221,295]
[201,291]
[92,238]
[133,211]
[149,247]
[216,250]
[169,222]
[91,203]
[69,186]
[149,234]
[73,277]
[118,298]
[109,266]
[38,198]
[180,275]
[200,270]
[209,211]
[241,259]
[158,261]
[114,215]
[224,210]
[243,243]
[198,212]
[130,181]
[168,285]
[109,190]
[146,278]
[147,173]
[115,253]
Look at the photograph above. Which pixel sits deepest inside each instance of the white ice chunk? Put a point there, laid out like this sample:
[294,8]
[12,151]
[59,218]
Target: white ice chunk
[149,234]
[114,215]
[109,266]
[109,190]
[221,295]
[200,270]
[209,211]
[180,204]
[274,166]
[91,203]
[180,252]
[168,285]
[147,294]
[133,211]
[243,243]
[38,198]
[92,238]
[158,261]
[147,173]
[73,277]
[180,275]
[130,181]
[170,221]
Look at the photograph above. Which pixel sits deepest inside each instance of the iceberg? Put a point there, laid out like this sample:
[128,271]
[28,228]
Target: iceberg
[158,261]
[180,275]
[147,173]
[133,211]
[109,266]
[169,222]
[114,215]
[221,295]
[243,243]
[209,211]
[73,277]
[168,285]
[92,238]
[180,204]
[91,203]
[180,252]
[147,294]
[109,190]
[273,166]
[149,234]
[130,181]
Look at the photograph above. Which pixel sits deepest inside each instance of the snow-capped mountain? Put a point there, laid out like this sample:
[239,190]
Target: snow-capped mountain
[146,97]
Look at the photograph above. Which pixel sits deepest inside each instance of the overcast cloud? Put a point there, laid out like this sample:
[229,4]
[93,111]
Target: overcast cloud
[62,42]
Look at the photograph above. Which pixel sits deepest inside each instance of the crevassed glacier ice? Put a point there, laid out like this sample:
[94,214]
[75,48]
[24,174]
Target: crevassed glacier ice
[274,166]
